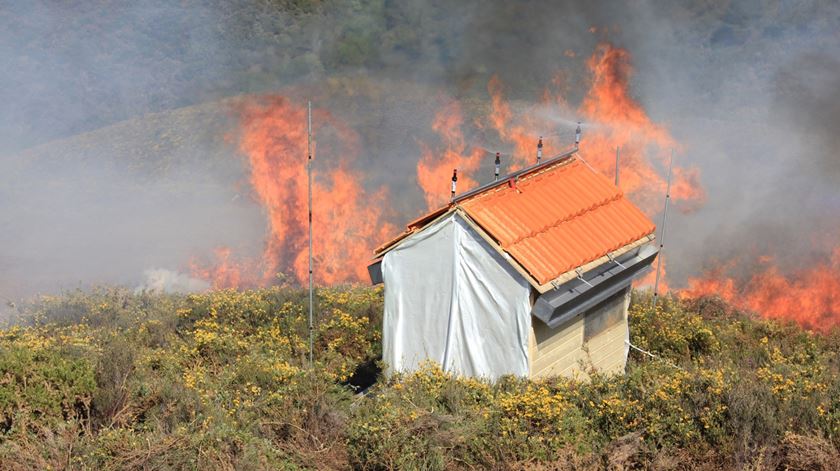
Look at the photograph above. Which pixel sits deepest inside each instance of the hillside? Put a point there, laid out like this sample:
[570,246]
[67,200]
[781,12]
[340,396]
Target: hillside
[82,66]
[111,379]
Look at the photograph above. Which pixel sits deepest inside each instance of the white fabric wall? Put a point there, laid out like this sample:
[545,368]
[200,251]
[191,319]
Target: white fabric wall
[418,277]
[451,298]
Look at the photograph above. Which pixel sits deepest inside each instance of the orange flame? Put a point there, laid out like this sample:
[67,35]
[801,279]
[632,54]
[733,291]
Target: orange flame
[649,280]
[612,119]
[615,120]
[347,220]
[522,131]
[225,273]
[434,170]
[810,297]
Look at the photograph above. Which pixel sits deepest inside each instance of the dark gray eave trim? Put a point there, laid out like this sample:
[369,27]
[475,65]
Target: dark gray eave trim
[375,271]
[561,304]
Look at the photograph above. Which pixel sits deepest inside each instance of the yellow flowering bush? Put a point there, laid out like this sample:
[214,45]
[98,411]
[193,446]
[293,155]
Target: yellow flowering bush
[223,379]
[670,329]
[41,383]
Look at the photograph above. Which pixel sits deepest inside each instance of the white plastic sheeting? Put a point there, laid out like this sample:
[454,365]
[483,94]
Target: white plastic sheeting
[451,298]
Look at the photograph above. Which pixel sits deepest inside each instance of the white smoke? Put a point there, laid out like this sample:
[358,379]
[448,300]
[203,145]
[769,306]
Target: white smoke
[161,280]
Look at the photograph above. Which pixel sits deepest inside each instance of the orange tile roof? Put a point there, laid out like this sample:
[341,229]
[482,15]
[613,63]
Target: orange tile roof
[558,218]
[553,219]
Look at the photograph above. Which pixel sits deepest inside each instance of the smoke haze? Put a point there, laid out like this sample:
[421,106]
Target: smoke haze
[118,146]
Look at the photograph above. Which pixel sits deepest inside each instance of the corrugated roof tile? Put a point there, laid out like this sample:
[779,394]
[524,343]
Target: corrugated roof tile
[558,218]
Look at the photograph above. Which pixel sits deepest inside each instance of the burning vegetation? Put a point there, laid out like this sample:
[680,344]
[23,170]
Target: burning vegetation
[810,296]
[191,119]
[351,218]
[435,165]
[273,137]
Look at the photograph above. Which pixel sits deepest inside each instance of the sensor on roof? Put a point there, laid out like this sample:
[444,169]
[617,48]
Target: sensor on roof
[454,181]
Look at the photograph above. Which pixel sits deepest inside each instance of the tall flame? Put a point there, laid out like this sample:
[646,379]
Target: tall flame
[434,169]
[612,119]
[811,297]
[616,120]
[348,220]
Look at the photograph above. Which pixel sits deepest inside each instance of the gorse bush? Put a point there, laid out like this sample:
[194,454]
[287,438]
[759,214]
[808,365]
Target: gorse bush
[113,379]
[42,384]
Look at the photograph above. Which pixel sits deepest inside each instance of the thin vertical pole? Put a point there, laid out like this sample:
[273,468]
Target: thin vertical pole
[662,234]
[616,165]
[309,175]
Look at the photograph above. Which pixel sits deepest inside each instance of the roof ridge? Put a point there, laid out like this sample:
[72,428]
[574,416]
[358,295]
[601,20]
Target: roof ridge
[617,196]
[560,165]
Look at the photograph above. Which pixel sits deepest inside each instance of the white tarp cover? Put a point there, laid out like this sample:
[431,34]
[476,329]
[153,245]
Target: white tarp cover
[451,298]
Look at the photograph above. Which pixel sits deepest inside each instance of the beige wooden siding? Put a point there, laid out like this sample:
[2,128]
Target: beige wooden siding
[556,351]
[565,351]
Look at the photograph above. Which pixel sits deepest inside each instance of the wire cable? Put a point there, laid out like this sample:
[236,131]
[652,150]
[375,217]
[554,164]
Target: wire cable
[654,356]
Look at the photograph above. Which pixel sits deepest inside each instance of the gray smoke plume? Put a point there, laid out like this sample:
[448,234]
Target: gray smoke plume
[118,147]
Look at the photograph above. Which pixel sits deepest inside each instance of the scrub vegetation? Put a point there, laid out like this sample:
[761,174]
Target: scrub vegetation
[113,379]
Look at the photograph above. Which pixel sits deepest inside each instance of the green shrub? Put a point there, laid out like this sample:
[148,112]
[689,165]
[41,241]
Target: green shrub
[113,379]
[41,384]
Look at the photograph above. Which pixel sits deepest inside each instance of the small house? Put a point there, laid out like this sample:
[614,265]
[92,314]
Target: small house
[528,276]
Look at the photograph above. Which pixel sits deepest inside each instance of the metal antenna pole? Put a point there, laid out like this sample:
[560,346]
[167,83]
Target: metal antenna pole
[616,165]
[309,175]
[662,234]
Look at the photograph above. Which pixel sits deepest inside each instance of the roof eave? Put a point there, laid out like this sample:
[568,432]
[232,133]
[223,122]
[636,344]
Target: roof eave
[557,307]
[609,257]
[413,227]
[569,275]
[498,248]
